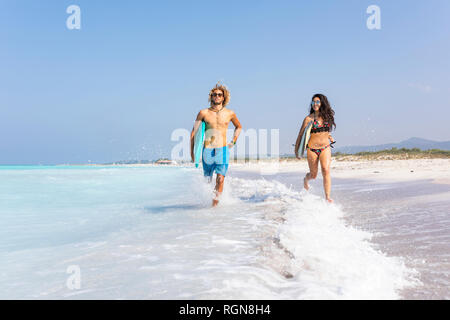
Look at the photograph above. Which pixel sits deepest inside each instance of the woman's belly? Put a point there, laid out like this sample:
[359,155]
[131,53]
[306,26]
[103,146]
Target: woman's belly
[318,140]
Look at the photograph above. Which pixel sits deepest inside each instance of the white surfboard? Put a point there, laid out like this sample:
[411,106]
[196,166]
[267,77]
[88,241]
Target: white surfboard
[305,138]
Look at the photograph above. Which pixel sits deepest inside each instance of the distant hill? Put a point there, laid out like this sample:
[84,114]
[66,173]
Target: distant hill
[420,143]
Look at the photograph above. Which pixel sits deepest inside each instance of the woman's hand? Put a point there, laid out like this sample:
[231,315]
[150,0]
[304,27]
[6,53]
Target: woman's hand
[332,141]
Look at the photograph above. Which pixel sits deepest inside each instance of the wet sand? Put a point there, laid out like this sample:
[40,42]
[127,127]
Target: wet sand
[405,204]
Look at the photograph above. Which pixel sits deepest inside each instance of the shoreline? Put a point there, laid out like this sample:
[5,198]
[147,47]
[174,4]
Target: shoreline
[405,221]
[377,169]
[402,204]
[373,170]
[392,169]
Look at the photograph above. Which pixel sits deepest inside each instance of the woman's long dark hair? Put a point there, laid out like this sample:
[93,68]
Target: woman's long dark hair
[325,110]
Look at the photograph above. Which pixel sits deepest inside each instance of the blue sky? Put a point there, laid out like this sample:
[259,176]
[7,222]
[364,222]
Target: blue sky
[137,70]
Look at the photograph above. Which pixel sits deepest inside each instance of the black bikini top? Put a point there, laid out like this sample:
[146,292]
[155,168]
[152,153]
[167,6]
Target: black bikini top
[320,128]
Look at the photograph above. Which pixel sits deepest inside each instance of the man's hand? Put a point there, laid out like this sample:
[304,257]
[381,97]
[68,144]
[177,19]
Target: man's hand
[231,145]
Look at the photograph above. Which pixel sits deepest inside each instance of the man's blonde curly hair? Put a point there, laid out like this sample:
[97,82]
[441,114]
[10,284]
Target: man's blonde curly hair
[226,94]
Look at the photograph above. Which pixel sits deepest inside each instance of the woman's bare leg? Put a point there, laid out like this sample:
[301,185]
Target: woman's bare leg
[325,162]
[313,163]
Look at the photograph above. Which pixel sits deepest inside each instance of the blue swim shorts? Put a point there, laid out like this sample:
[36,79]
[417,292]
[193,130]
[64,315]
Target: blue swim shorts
[215,159]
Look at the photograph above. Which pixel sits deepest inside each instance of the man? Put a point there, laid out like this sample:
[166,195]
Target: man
[215,155]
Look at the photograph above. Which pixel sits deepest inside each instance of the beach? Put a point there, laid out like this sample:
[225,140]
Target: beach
[354,167]
[149,232]
[404,204]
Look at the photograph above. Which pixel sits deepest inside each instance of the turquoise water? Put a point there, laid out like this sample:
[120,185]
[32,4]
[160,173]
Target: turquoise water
[150,233]
[56,205]
[59,167]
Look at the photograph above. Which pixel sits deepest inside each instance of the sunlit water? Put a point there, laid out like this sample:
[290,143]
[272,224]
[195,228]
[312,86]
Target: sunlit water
[149,233]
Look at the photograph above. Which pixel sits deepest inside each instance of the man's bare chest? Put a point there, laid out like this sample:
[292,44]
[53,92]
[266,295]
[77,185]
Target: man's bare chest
[217,119]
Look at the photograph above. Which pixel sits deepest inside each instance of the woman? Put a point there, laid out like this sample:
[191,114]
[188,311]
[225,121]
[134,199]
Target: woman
[318,147]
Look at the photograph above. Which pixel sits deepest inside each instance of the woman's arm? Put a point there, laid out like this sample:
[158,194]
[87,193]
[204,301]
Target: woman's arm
[330,138]
[299,137]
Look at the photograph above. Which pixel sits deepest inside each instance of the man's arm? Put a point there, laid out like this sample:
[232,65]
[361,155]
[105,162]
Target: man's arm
[197,123]
[237,129]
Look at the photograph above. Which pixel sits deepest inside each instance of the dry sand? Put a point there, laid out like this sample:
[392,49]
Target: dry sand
[376,170]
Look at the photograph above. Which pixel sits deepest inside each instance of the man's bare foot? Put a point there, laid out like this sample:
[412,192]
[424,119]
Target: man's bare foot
[305,183]
[215,203]
[330,200]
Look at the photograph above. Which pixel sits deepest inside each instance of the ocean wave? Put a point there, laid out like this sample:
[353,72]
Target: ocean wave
[313,251]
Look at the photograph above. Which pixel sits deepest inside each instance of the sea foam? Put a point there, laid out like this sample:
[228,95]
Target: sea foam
[151,233]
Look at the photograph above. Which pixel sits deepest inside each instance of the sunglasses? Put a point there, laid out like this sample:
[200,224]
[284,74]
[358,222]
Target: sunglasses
[217,94]
[315,102]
